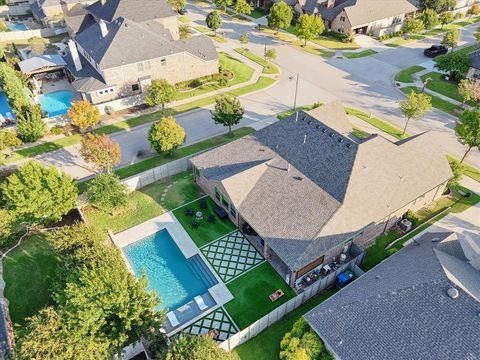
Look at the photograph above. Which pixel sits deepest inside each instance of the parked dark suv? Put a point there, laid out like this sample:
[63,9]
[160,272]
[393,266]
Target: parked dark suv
[435,50]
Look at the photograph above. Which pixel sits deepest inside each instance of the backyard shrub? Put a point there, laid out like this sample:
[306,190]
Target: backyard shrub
[56,130]
[8,139]
[107,193]
[198,348]
[302,343]
[391,251]
[412,217]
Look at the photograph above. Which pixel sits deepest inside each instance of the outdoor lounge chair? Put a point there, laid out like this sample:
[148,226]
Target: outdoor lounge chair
[276,295]
[203,203]
[211,219]
[201,304]
[173,319]
[189,212]
[195,224]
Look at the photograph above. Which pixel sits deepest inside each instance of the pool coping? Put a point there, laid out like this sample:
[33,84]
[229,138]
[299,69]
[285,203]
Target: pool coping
[219,292]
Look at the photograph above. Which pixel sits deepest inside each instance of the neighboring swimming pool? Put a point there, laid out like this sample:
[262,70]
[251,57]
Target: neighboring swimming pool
[57,102]
[17,27]
[5,108]
[176,279]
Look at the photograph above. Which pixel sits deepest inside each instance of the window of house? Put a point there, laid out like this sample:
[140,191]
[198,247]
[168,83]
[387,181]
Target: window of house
[163,62]
[342,18]
[397,19]
[340,30]
[225,202]
[233,211]
[135,87]
[217,194]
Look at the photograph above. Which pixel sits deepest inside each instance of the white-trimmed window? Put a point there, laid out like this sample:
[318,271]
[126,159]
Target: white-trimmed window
[105,91]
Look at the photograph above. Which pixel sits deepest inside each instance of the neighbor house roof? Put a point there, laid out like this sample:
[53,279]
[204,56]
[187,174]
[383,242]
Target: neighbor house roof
[80,22]
[474,59]
[135,10]
[145,41]
[305,187]
[400,309]
[87,79]
[40,62]
[362,12]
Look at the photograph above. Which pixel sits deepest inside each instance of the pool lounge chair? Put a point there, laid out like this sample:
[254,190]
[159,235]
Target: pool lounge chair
[201,304]
[173,319]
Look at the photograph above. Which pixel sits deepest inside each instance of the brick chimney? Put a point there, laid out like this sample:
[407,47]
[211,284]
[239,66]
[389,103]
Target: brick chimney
[75,56]
[330,4]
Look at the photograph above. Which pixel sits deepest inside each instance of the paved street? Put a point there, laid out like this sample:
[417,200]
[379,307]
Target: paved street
[366,83]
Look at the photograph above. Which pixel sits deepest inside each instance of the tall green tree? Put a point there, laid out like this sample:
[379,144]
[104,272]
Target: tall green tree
[13,87]
[429,18]
[469,89]
[39,194]
[214,21]
[228,111]
[280,16]
[166,135]
[101,151]
[107,193]
[455,63]
[468,130]
[83,114]
[451,38]
[160,92]
[302,343]
[309,27]
[446,18]
[243,7]
[177,4]
[198,348]
[415,106]
[413,26]
[438,6]
[8,224]
[223,3]
[8,139]
[30,124]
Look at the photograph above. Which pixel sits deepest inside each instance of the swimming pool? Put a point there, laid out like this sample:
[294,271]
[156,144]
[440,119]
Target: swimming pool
[176,279]
[5,108]
[57,102]
[17,27]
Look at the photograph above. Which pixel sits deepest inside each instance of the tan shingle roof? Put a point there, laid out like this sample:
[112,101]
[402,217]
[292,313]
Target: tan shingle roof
[367,11]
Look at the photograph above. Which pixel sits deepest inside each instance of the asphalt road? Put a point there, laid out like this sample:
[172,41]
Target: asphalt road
[366,83]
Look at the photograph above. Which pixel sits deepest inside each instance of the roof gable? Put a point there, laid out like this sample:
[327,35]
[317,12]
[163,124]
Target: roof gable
[136,10]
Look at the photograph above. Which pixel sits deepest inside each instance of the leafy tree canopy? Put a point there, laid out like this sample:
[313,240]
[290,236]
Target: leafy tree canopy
[107,192]
[413,26]
[101,151]
[451,38]
[198,348]
[446,18]
[30,123]
[177,4]
[13,87]
[223,3]
[39,194]
[469,89]
[309,27]
[160,92]
[8,139]
[415,106]
[166,135]
[214,21]
[184,31]
[429,18]
[243,7]
[438,6]
[455,63]
[468,130]
[83,114]
[280,15]
[228,111]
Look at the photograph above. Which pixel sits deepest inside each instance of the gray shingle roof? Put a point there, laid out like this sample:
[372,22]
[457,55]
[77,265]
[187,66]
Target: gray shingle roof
[87,79]
[474,58]
[400,310]
[80,22]
[145,41]
[331,13]
[326,196]
[135,10]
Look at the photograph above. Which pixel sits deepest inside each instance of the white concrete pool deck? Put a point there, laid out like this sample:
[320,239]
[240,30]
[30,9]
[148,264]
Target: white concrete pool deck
[168,221]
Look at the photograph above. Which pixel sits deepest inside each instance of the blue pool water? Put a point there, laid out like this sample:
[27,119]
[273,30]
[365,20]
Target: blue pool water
[168,272]
[56,103]
[17,27]
[5,108]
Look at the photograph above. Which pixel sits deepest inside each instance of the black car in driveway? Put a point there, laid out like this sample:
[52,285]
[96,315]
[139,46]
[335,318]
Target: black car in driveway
[435,50]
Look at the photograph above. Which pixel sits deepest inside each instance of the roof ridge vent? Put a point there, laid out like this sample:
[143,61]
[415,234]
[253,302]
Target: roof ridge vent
[453,293]
[305,139]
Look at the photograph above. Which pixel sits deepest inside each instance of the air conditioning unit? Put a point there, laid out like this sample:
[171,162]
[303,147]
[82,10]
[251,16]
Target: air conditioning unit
[405,225]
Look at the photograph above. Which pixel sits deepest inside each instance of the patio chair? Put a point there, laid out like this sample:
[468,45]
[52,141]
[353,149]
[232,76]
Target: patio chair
[201,304]
[211,219]
[203,203]
[195,224]
[173,319]
[189,212]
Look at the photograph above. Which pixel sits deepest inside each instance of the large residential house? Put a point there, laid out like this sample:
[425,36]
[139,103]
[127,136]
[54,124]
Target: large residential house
[53,12]
[364,16]
[120,46]
[304,188]
[421,303]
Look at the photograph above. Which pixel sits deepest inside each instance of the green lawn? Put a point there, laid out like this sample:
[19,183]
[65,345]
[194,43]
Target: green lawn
[359,54]
[268,67]
[402,41]
[207,232]
[406,74]
[447,88]
[334,41]
[469,170]
[28,272]
[266,345]
[251,291]
[257,13]
[359,133]
[287,113]
[210,34]
[377,122]
[146,203]
[437,103]
[184,19]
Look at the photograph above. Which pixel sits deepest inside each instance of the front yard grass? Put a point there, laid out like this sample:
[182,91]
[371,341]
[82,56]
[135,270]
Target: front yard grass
[287,113]
[28,271]
[257,13]
[268,67]
[438,84]
[359,54]
[334,41]
[266,345]
[405,75]
[377,122]
[210,34]
[206,232]
[251,291]
[359,133]
[468,170]
[437,103]
[184,19]
[146,203]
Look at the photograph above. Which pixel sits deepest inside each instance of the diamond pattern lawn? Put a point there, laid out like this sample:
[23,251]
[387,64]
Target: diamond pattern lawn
[216,320]
[232,255]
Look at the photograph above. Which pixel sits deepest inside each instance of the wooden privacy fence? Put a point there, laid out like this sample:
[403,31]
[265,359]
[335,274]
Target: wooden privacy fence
[277,314]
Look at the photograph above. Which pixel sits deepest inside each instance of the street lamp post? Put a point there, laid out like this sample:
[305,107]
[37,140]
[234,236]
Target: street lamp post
[296,91]
[425,83]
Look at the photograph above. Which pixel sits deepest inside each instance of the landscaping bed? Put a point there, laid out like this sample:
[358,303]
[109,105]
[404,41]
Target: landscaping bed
[251,291]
